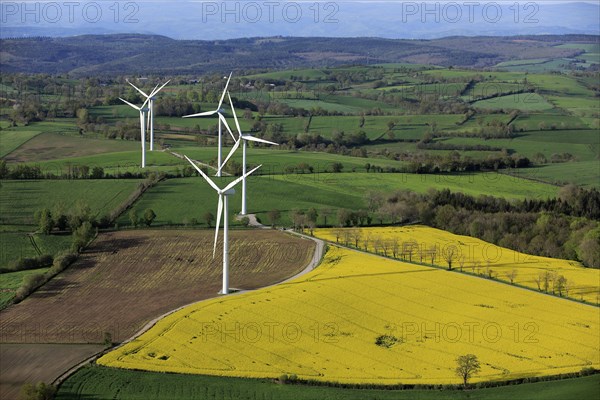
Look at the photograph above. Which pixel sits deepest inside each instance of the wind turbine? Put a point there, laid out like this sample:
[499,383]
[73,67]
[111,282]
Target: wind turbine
[151,107]
[143,111]
[222,121]
[243,138]
[223,205]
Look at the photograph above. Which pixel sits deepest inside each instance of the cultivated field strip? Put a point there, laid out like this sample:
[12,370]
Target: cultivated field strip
[416,243]
[127,278]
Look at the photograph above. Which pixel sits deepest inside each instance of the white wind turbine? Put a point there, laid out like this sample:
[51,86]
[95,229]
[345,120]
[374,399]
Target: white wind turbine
[223,206]
[222,121]
[243,138]
[143,111]
[150,121]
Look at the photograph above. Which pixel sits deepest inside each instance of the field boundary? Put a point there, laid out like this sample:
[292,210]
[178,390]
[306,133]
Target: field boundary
[466,273]
[315,261]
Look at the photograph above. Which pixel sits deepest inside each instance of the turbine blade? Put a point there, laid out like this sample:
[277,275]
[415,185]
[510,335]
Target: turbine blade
[219,212]
[132,105]
[237,123]
[224,121]
[202,114]
[155,91]
[224,90]
[138,89]
[255,139]
[238,180]
[231,152]
[210,182]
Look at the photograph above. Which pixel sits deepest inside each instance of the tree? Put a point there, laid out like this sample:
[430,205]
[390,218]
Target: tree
[512,275]
[97,173]
[133,217]
[468,365]
[432,253]
[149,216]
[40,391]
[208,218]
[449,254]
[45,222]
[312,215]
[274,216]
[82,235]
[343,217]
[337,167]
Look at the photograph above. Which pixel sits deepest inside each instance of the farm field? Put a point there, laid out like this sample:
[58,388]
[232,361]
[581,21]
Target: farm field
[580,173]
[110,383]
[415,243]
[38,362]
[15,245]
[340,309]
[522,101]
[329,191]
[19,199]
[10,282]
[51,145]
[146,273]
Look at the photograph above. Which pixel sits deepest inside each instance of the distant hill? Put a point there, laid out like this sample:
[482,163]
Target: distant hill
[109,55]
[221,20]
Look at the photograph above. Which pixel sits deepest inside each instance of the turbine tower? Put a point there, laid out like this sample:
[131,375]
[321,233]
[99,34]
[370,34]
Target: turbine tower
[143,111]
[222,121]
[223,208]
[243,138]
[150,120]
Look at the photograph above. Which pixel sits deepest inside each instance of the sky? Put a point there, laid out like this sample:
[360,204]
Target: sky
[217,20]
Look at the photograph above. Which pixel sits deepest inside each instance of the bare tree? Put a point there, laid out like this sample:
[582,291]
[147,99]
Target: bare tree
[461,262]
[432,253]
[560,284]
[366,240]
[356,235]
[338,235]
[395,247]
[385,246]
[347,237]
[449,254]
[408,248]
[376,244]
[468,365]
[512,275]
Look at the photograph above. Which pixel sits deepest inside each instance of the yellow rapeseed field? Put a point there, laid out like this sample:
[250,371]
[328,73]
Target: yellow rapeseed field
[424,244]
[326,325]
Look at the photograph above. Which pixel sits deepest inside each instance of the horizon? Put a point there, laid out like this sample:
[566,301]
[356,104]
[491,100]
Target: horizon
[234,19]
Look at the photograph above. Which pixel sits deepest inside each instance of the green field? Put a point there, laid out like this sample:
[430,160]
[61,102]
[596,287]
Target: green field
[580,173]
[106,383]
[10,140]
[16,245]
[178,199]
[10,282]
[522,101]
[20,199]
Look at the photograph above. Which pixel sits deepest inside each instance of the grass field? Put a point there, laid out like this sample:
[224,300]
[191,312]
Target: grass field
[580,173]
[15,245]
[109,383]
[126,279]
[177,199]
[10,282]
[522,101]
[20,199]
[10,140]
[582,283]
[324,326]
[51,146]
